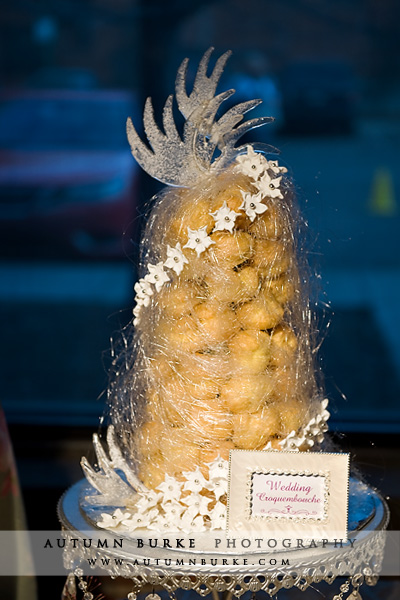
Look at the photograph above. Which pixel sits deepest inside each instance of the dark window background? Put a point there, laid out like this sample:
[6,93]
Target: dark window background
[71,195]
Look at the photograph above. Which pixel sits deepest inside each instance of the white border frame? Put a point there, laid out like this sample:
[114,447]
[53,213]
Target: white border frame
[334,467]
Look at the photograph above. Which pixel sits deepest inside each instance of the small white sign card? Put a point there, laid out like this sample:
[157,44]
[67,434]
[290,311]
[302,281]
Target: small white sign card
[289,494]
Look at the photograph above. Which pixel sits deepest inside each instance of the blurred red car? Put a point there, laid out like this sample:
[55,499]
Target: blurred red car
[67,178]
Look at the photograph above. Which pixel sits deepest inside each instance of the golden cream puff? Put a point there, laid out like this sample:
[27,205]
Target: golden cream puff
[271,258]
[230,249]
[223,285]
[199,387]
[250,351]
[152,472]
[293,415]
[232,287]
[286,382]
[196,271]
[283,288]
[180,335]
[177,301]
[261,313]
[253,430]
[270,224]
[179,452]
[283,346]
[246,393]
[249,284]
[215,322]
[249,340]
[192,214]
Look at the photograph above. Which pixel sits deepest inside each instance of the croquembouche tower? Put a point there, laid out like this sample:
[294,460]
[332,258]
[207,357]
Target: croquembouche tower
[220,353]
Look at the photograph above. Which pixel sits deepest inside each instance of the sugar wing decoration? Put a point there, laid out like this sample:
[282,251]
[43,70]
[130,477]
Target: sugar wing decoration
[182,160]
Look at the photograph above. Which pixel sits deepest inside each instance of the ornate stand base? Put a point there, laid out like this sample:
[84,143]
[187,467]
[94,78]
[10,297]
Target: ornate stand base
[214,572]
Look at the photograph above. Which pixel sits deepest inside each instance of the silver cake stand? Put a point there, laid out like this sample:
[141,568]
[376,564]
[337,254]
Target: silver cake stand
[228,572]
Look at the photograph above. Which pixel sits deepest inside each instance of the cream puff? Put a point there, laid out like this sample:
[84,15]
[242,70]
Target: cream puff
[283,346]
[271,258]
[270,224]
[200,387]
[230,249]
[179,452]
[261,313]
[193,213]
[152,472]
[223,284]
[180,335]
[249,340]
[177,300]
[253,430]
[249,284]
[232,287]
[215,322]
[250,351]
[247,393]
[283,288]
[293,415]
[286,382]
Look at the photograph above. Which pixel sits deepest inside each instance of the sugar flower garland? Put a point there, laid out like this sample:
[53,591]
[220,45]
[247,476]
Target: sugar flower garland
[254,165]
[175,505]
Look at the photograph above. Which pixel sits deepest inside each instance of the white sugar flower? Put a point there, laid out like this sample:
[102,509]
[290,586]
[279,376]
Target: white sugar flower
[269,187]
[112,521]
[157,275]
[292,441]
[163,524]
[224,218]
[136,312]
[147,500]
[218,516]
[140,519]
[198,240]
[195,481]
[252,163]
[170,488]
[252,205]
[172,509]
[325,414]
[218,468]
[143,291]
[198,503]
[219,487]
[275,168]
[176,259]
[190,523]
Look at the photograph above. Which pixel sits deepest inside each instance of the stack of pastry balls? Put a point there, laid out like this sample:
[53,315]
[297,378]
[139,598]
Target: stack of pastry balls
[227,361]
